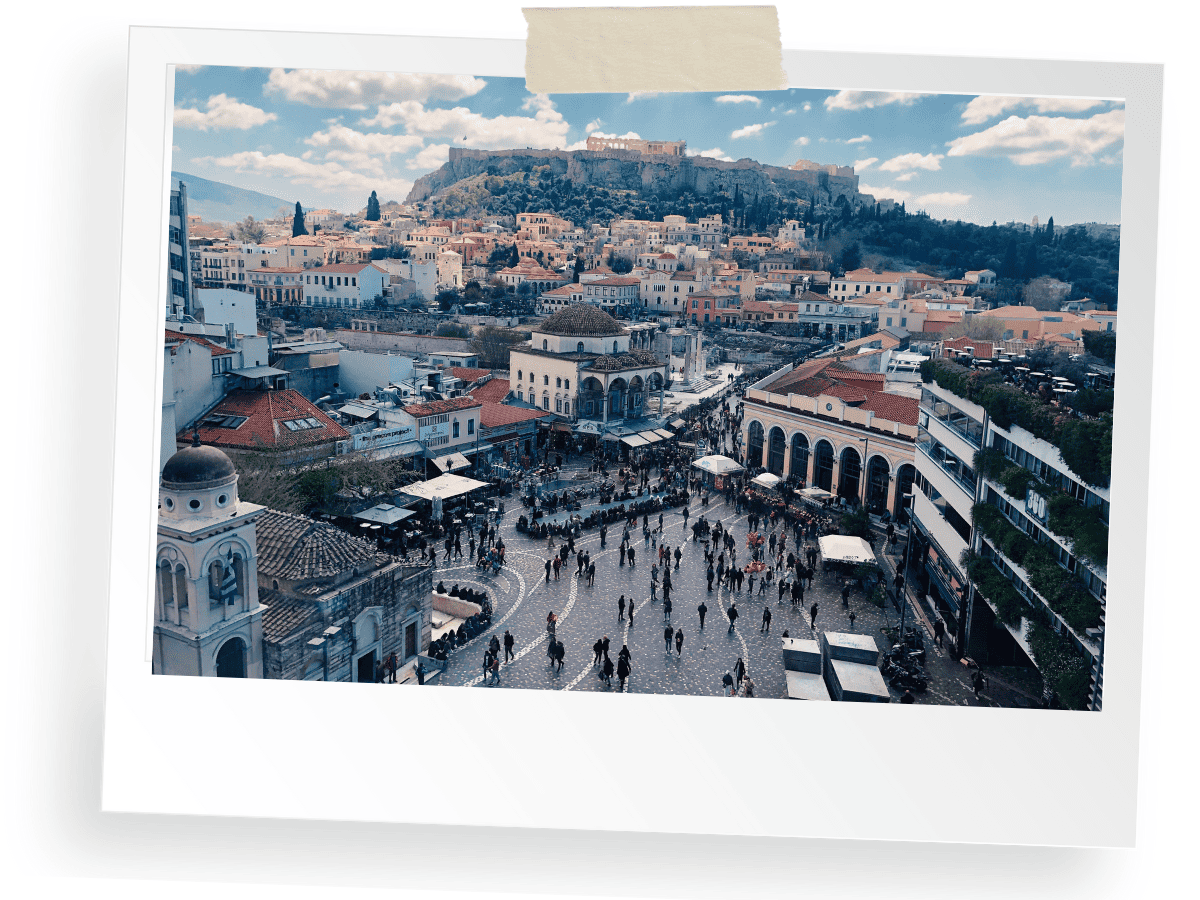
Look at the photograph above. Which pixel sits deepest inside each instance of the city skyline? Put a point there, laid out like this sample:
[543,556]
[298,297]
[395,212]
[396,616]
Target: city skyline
[329,138]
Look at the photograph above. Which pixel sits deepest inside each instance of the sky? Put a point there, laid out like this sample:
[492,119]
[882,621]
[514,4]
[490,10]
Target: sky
[329,138]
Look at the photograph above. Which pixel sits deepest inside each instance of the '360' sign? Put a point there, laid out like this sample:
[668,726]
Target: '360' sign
[1035,504]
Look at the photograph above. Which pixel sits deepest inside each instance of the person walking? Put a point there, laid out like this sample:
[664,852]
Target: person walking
[631,612]
[508,645]
[939,630]
[727,683]
[710,574]
[607,670]
[621,609]
[667,608]
[591,574]
[766,620]
[678,557]
[739,671]
[846,594]
[678,642]
[495,670]
[622,552]
[748,689]
[631,553]
[494,646]
[666,592]
[597,652]
[852,618]
[668,637]
[685,518]
[623,670]
[549,566]
[812,616]
[979,682]
[733,614]
[603,535]
[703,610]
[579,560]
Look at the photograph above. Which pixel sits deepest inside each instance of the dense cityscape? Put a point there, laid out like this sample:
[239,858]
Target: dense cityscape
[508,448]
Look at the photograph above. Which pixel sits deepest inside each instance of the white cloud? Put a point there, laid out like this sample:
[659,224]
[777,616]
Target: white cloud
[945,198]
[801,141]
[1041,139]
[880,192]
[751,130]
[907,176]
[327,177]
[462,127]
[629,135]
[861,139]
[860,164]
[591,126]
[343,138]
[807,107]
[221,112]
[359,90]
[174,148]
[931,162]
[791,112]
[856,100]
[714,153]
[981,109]
[738,98]
[189,68]
[640,95]
[431,157]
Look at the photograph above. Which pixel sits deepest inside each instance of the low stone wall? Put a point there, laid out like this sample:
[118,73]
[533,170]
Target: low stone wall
[453,606]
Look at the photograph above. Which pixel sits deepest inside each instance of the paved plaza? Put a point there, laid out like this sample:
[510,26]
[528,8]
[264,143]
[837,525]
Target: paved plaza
[522,597]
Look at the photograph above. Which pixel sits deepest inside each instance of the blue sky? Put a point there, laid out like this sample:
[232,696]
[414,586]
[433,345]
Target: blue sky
[328,138]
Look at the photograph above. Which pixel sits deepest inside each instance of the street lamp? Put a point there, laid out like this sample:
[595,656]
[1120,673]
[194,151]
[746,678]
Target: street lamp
[900,593]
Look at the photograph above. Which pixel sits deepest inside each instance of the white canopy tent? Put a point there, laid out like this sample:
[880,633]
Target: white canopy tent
[452,461]
[443,487]
[844,548]
[815,493]
[717,465]
[384,514]
[767,480]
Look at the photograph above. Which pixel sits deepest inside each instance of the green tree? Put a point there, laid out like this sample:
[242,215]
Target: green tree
[298,222]
[514,258]
[851,256]
[249,231]
[578,268]
[446,299]
[1102,344]
[372,208]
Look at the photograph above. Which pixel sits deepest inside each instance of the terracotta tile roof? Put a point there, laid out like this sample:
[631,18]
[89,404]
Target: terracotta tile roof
[893,407]
[438,407]
[983,349]
[497,415]
[493,391]
[284,616]
[469,375]
[265,413]
[343,268]
[615,282]
[297,548]
[174,337]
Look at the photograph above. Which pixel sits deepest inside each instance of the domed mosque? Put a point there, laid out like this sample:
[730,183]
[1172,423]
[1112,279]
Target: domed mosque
[588,370]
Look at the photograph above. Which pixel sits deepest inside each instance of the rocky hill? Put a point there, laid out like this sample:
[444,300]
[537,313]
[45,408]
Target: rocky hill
[646,177]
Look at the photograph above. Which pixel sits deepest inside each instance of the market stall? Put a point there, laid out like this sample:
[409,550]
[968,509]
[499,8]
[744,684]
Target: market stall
[443,491]
[718,468]
[845,550]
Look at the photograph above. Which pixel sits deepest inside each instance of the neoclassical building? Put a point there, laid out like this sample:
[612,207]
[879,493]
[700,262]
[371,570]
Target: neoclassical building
[832,427]
[581,364]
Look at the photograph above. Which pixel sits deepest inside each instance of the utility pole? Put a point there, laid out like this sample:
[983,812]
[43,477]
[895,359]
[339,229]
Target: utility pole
[900,594]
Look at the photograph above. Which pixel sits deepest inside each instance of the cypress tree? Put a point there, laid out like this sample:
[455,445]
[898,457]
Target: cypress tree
[298,222]
[372,208]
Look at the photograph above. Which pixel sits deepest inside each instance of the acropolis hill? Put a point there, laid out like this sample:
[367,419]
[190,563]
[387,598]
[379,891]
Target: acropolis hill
[667,172]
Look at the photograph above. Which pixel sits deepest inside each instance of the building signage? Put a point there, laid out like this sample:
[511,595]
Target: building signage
[1035,505]
[432,432]
[382,437]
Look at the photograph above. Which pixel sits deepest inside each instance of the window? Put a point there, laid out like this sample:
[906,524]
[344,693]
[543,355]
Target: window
[531,378]
[302,424]
[567,407]
[903,321]
[546,401]
[546,380]
[558,404]
[520,375]
[614,346]
[545,345]
[579,347]
[558,382]
[521,395]
[456,428]
[470,426]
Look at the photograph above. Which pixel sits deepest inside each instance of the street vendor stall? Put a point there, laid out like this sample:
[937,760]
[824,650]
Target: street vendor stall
[845,549]
[767,480]
[718,468]
[441,489]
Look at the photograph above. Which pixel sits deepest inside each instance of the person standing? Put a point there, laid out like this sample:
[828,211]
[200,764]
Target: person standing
[632,556]
[685,518]
[668,636]
[846,594]
[607,670]
[749,687]
[667,608]
[812,616]
[508,645]
[591,574]
[603,535]
[852,618]
[621,609]
[979,682]
[678,642]
[939,629]
[678,557]
[622,552]
[549,566]
[420,672]
[766,620]
[727,683]
[623,670]
[631,613]
[495,672]
[739,671]
[733,614]
[579,560]
[703,610]
[710,574]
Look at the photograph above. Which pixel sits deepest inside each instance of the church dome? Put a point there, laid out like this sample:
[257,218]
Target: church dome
[580,320]
[196,468]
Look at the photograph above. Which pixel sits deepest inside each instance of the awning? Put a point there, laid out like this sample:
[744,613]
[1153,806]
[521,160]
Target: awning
[561,426]
[384,514]
[844,548]
[634,440]
[589,428]
[258,372]
[815,493]
[409,448]
[443,487]
[677,423]
[767,480]
[664,434]
[649,437]
[717,465]
[358,411]
[451,462]
[611,437]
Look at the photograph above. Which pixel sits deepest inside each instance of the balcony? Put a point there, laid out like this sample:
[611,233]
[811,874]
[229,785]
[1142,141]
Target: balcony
[956,486]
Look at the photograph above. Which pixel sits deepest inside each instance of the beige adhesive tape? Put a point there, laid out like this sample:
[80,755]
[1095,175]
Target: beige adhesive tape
[675,48]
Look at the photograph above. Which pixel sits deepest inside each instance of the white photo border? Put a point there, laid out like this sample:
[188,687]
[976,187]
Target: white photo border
[1048,778]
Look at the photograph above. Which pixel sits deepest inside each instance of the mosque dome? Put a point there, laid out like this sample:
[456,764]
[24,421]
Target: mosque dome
[580,320]
[196,468]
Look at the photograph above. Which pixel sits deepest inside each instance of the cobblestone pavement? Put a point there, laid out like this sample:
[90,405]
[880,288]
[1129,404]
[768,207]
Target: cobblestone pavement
[522,597]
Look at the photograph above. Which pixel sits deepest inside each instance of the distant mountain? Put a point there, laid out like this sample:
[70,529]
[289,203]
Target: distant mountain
[214,201]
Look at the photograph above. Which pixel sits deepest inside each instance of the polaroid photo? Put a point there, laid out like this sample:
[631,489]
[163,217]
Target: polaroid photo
[559,418]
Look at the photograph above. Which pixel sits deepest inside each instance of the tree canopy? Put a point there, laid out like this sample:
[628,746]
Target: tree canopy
[298,222]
